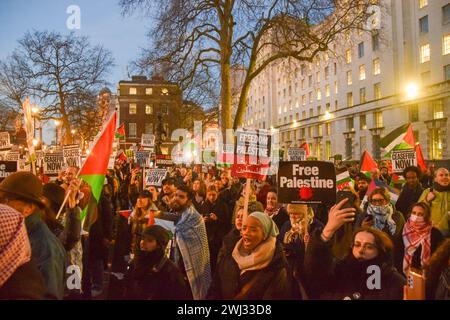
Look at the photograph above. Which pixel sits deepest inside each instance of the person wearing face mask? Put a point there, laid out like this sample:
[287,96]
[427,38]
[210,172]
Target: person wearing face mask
[438,197]
[275,210]
[295,240]
[420,238]
[411,191]
[328,278]
[381,215]
[255,268]
[152,276]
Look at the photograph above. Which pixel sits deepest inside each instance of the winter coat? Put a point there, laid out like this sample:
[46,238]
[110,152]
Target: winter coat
[281,218]
[49,255]
[26,283]
[407,197]
[269,283]
[440,207]
[335,280]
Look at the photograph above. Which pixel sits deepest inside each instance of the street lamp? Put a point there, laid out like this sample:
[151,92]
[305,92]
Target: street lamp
[35,142]
[412,91]
[57,124]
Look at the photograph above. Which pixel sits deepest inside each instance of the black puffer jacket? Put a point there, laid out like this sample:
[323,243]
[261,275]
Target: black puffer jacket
[271,283]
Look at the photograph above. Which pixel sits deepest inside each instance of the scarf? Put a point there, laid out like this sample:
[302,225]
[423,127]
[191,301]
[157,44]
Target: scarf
[260,257]
[272,212]
[416,233]
[15,249]
[383,217]
[440,188]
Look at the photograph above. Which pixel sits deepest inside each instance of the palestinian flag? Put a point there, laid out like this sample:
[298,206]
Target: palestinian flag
[305,146]
[94,168]
[120,133]
[420,160]
[367,164]
[343,179]
[394,193]
[122,157]
[403,134]
[125,213]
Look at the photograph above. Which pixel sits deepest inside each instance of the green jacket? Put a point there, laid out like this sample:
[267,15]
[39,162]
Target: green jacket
[439,209]
[49,255]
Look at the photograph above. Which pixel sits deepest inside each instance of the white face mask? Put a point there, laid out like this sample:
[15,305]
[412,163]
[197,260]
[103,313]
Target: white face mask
[416,218]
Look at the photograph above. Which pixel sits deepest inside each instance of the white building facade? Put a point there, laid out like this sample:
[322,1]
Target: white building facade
[369,84]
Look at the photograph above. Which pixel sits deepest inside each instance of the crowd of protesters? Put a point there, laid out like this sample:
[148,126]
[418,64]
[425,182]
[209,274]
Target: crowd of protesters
[192,239]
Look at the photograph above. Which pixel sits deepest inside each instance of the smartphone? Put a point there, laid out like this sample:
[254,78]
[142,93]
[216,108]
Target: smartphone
[341,195]
[415,286]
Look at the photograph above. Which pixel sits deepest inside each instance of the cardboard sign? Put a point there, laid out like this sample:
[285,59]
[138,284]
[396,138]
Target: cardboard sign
[148,140]
[402,159]
[5,142]
[309,182]
[142,158]
[252,154]
[53,163]
[7,168]
[154,177]
[164,161]
[296,154]
[12,156]
[23,165]
[72,155]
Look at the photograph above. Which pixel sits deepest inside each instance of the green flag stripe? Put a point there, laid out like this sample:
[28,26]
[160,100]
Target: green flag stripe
[96,182]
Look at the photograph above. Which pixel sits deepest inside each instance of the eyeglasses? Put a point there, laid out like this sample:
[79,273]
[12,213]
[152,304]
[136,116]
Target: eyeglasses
[377,201]
[366,246]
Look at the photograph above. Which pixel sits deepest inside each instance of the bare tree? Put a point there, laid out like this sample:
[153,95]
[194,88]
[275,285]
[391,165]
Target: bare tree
[205,38]
[59,68]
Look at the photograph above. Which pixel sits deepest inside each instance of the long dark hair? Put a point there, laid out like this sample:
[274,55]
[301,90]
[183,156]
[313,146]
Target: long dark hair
[383,243]
[438,262]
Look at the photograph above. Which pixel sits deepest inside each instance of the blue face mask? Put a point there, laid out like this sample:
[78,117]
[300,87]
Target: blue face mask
[380,210]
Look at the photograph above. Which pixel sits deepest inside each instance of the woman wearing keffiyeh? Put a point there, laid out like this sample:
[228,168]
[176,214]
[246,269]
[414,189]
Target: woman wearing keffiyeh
[420,238]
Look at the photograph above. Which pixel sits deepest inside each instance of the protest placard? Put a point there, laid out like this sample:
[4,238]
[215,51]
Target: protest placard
[309,182]
[142,158]
[5,142]
[23,165]
[12,156]
[148,140]
[154,177]
[296,154]
[72,155]
[53,163]
[164,161]
[402,159]
[7,168]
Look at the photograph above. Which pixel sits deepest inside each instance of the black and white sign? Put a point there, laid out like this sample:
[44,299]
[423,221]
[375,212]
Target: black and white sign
[296,154]
[164,161]
[253,146]
[72,155]
[142,158]
[309,182]
[12,156]
[402,159]
[148,140]
[154,177]
[53,163]
[7,168]
[5,142]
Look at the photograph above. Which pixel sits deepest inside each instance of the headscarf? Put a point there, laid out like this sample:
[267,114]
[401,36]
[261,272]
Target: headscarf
[15,247]
[269,227]
[383,217]
[416,232]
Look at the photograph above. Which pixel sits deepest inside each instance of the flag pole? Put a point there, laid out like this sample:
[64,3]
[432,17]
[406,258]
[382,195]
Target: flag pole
[84,163]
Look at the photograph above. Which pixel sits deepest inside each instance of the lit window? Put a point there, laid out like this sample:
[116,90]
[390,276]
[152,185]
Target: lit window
[335,87]
[164,92]
[423,3]
[318,76]
[446,45]
[377,90]
[310,97]
[376,66]
[327,90]
[349,77]
[133,91]
[425,53]
[319,94]
[303,100]
[148,91]
[362,95]
[327,73]
[362,72]
[349,99]
[132,129]
[133,108]
[348,56]
[148,109]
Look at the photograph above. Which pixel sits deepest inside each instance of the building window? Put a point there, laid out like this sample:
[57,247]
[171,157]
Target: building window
[303,69]
[310,97]
[376,66]
[302,133]
[133,91]
[309,81]
[377,91]
[446,45]
[413,113]
[164,109]
[297,116]
[425,77]
[425,53]
[348,56]
[132,130]
[319,110]
[362,122]
[423,3]
[349,77]
[303,114]
[327,90]
[446,14]
[328,128]
[438,109]
[319,130]
[149,128]
[361,50]
[303,84]
[318,76]
[375,41]
[327,73]
[362,95]
[335,68]
[327,150]
[378,119]
[423,24]
[311,113]
[148,109]
[132,108]
[349,99]
[148,91]
[310,132]
[447,72]
[318,94]
[336,106]
[164,92]
[335,87]
[362,72]
[350,124]
[362,144]
[327,107]
[436,144]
